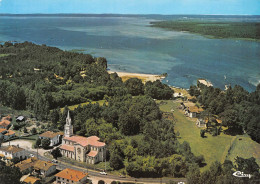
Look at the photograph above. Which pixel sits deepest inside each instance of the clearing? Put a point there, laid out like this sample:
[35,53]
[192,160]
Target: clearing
[212,147]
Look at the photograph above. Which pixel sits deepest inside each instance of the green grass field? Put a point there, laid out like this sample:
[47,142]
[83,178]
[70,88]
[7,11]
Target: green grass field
[3,55]
[72,107]
[213,147]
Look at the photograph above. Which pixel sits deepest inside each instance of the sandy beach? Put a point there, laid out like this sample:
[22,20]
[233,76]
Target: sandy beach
[143,77]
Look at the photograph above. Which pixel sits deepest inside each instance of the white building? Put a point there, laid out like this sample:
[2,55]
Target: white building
[53,137]
[11,152]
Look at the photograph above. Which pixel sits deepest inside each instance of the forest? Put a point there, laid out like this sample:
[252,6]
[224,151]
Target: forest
[240,30]
[41,78]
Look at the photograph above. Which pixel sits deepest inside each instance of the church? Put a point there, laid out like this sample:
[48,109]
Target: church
[83,149]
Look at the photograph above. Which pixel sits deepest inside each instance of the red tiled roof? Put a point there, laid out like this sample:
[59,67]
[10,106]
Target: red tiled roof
[92,153]
[71,174]
[10,132]
[67,147]
[84,141]
[2,130]
[5,123]
[49,134]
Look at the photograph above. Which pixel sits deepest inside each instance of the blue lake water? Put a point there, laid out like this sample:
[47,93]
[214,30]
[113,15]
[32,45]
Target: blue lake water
[130,45]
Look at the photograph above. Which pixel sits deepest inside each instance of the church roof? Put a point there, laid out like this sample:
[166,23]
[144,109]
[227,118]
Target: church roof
[92,153]
[85,141]
[67,147]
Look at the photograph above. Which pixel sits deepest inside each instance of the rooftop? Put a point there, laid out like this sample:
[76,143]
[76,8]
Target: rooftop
[92,153]
[11,149]
[49,134]
[5,123]
[67,147]
[25,164]
[9,132]
[71,174]
[35,163]
[84,141]
[31,180]
[43,165]
[195,109]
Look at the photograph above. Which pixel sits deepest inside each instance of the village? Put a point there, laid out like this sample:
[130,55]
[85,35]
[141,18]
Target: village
[31,159]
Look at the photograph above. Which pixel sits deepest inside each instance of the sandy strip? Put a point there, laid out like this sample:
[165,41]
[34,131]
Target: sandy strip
[143,77]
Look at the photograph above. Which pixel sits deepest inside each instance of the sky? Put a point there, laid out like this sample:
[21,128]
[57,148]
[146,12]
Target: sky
[226,7]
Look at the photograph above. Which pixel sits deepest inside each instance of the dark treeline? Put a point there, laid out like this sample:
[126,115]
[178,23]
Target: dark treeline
[41,78]
[238,108]
[223,173]
[248,30]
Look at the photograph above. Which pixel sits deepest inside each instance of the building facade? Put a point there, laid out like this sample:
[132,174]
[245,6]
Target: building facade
[52,136]
[83,149]
[11,152]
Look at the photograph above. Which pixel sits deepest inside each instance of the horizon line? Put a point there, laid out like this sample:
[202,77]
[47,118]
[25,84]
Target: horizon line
[123,14]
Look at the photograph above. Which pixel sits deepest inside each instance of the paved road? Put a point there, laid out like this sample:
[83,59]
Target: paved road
[63,165]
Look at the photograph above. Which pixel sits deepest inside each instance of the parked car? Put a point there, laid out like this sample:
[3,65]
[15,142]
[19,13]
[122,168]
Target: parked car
[122,176]
[103,173]
[31,155]
[54,161]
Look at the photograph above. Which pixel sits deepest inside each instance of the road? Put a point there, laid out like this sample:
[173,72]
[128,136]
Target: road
[63,165]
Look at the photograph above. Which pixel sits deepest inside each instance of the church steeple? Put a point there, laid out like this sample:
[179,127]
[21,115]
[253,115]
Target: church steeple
[68,119]
[68,128]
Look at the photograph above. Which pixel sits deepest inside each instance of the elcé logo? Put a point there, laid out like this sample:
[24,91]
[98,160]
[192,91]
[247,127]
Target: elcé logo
[241,174]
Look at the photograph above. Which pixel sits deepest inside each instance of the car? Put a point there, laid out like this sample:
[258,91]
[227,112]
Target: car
[103,173]
[54,161]
[122,176]
[31,155]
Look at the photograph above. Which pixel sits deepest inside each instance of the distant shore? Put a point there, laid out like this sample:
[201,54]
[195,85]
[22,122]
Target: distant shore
[143,77]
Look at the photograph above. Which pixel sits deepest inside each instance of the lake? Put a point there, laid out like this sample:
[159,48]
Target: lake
[131,45]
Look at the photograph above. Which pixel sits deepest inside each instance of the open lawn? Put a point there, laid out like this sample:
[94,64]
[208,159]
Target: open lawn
[244,147]
[212,147]
[72,107]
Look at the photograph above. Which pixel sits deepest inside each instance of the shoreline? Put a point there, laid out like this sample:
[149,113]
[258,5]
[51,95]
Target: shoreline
[144,77]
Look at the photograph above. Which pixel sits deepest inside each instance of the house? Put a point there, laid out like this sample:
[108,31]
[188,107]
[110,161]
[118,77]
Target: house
[44,168]
[9,118]
[31,180]
[20,119]
[201,123]
[83,149]
[39,166]
[68,176]
[11,152]
[5,124]
[193,111]
[26,164]
[52,136]
[6,134]
[177,95]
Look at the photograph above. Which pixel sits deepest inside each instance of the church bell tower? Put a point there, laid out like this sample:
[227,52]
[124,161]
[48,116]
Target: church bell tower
[68,128]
